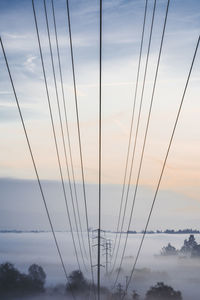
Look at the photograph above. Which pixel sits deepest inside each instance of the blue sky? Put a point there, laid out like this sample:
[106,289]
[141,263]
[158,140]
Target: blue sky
[122,25]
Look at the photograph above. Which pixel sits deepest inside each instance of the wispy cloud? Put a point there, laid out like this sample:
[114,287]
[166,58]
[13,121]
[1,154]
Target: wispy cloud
[5,92]
[29,64]
[14,36]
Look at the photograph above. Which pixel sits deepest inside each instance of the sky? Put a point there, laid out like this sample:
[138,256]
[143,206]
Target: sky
[178,200]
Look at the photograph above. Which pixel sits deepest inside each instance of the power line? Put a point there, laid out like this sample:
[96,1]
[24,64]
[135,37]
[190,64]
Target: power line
[100,152]
[164,163]
[130,136]
[62,131]
[66,124]
[34,165]
[54,133]
[137,130]
[144,143]
[79,135]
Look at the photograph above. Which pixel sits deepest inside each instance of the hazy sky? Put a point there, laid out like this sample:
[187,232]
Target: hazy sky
[22,208]
[122,26]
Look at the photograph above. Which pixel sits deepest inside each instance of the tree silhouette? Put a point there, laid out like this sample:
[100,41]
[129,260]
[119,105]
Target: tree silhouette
[162,292]
[9,278]
[168,250]
[196,251]
[189,245]
[135,295]
[38,277]
[77,282]
[14,283]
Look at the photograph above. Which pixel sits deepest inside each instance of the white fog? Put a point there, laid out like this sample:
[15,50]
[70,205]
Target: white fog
[24,249]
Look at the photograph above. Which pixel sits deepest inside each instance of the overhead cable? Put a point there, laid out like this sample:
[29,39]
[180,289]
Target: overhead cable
[35,166]
[54,134]
[144,143]
[79,137]
[62,133]
[67,126]
[164,164]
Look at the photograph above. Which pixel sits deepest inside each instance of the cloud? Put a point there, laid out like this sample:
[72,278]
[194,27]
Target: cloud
[21,200]
[5,93]
[15,36]
[120,59]
[29,64]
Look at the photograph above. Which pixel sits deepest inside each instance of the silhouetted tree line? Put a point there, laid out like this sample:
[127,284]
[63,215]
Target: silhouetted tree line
[79,285]
[14,284]
[158,292]
[190,248]
[167,231]
[180,231]
[162,292]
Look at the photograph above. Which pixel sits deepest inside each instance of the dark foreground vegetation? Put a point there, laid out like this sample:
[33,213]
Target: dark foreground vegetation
[190,248]
[17,285]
